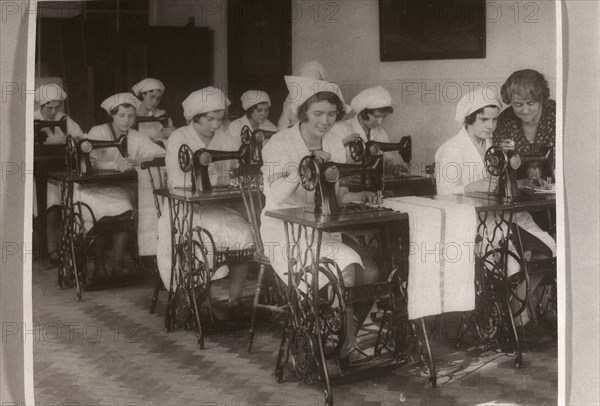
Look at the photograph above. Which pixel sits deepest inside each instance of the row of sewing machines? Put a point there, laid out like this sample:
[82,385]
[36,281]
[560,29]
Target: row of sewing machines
[313,332]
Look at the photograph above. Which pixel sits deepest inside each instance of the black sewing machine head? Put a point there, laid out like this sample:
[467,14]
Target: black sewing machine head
[39,136]
[323,176]
[78,152]
[197,163]
[163,120]
[365,152]
[255,140]
[504,162]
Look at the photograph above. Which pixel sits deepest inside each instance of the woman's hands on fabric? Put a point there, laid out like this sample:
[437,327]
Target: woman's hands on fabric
[362,197]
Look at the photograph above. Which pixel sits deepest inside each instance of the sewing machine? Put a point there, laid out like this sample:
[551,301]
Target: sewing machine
[163,120]
[78,152]
[365,152]
[323,176]
[504,162]
[39,136]
[255,139]
[197,163]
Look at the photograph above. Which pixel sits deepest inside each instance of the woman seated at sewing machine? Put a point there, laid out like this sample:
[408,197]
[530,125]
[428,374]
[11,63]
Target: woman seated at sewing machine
[460,168]
[256,105]
[530,121]
[317,113]
[149,91]
[371,106]
[50,99]
[204,110]
[115,201]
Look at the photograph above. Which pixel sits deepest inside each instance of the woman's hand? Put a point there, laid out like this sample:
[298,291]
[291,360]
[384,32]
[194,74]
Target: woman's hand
[127,166]
[321,156]
[351,138]
[166,131]
[399,169]
[362,197]
[482,185]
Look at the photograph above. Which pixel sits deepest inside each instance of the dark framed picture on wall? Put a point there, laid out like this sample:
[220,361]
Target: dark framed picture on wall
[411,30]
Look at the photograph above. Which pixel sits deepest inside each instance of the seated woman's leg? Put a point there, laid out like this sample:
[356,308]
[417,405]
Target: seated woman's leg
[53,230]
[237,277]
[120,241]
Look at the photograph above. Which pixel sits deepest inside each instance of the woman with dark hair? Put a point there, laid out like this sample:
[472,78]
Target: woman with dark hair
[530,122]
[116,200]
[204,110]
[149,91]
[256,105]
[317,106]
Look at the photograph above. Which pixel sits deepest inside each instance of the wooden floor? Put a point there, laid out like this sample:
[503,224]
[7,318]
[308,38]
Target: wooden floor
[109,350]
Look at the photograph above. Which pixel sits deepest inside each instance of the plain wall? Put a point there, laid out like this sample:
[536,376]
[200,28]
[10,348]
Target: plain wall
[206,13]
[344,37]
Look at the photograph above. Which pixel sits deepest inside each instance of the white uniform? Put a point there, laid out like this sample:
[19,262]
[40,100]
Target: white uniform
[235,128]
[458,163]
[112,200]
[352,126]
[56,135]
[229,229]
[288,148]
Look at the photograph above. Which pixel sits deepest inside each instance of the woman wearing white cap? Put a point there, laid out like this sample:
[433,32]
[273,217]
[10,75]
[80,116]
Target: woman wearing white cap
[111,201]
[312,70]
[256,104]
[318,105]
[204,110]
[460,168]
[50,98]
[149,91]
[371,106]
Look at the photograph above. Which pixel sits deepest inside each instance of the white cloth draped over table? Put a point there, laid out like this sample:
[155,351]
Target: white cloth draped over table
[441,255]
[287,148]
[235,127]
[352,126]
[228,227]
[458,163]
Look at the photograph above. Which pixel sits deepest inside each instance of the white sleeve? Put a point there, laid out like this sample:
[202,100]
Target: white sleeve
[175,176]
[449,171]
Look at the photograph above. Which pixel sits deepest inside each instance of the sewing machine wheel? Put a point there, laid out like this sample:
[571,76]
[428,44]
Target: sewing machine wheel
[184,157]
[259,137]
[495,161]
[494,266]
[357,150]
[309,173]
[86,147]
[303,354]
[487,317]
[246,135]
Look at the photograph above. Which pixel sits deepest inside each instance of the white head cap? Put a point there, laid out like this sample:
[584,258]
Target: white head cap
[475,100]
[253,97]
[120,98]
[146,85]
[310,69]
[204,100]
[49,92]
[372,98]
[301,88]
